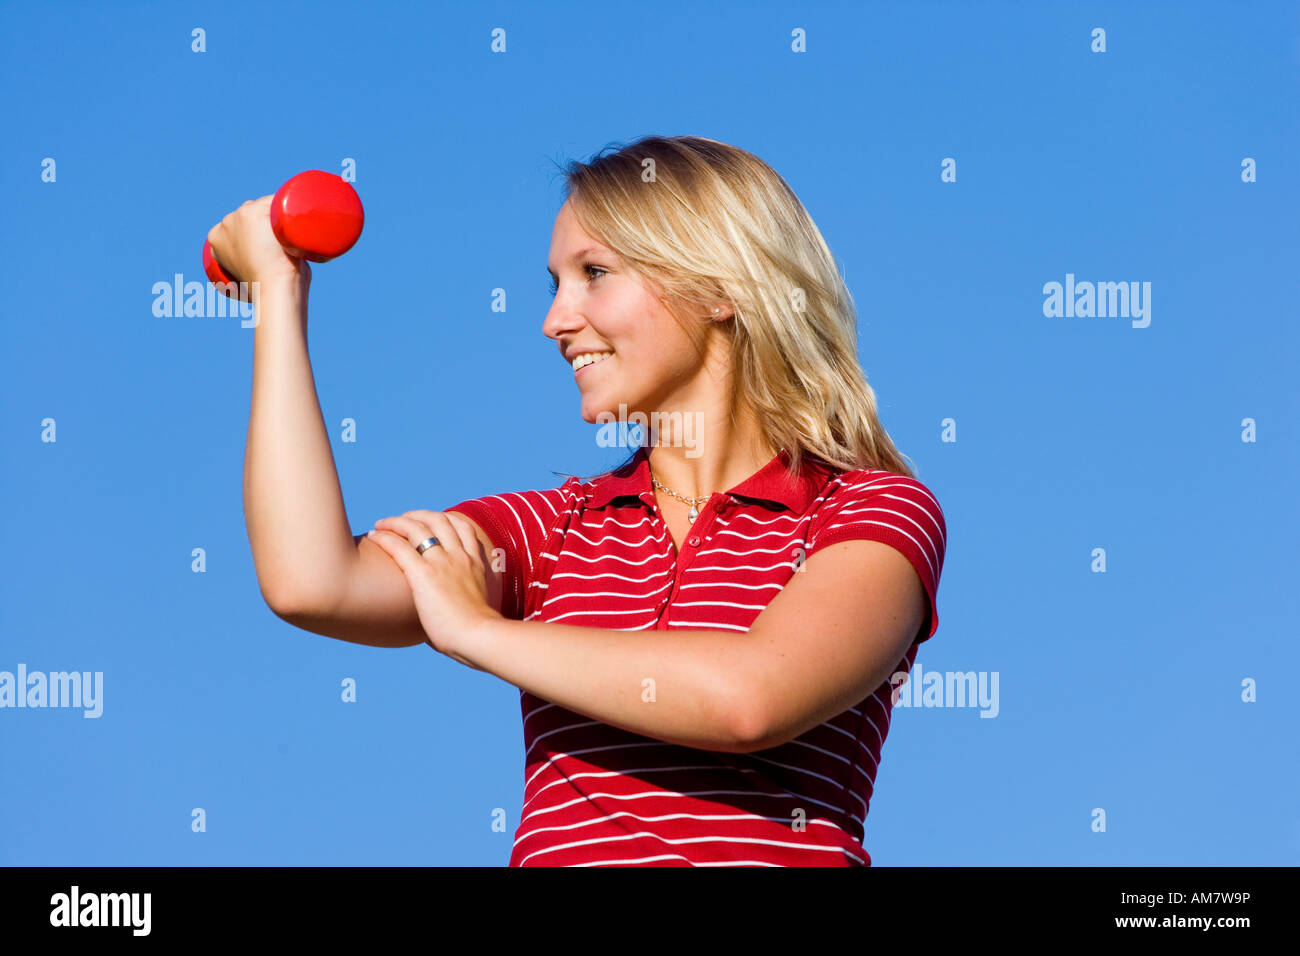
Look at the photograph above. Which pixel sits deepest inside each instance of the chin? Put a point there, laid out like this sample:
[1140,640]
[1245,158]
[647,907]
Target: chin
[593,408]
[596,404]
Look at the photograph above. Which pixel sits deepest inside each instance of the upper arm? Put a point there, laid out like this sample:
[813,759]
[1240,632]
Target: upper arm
[374,605]
[515,528]
[866,592]
[830,638]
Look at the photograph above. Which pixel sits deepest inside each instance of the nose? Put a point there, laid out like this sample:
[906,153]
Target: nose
[561,320]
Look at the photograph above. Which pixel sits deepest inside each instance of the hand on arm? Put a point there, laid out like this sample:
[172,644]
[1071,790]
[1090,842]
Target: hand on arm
[450,584]
[596,672]
[822,645]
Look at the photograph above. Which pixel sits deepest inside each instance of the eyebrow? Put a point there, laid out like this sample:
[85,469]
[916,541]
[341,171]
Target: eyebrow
[577,255]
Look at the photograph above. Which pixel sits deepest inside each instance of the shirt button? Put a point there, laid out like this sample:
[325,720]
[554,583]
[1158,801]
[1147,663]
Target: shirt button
[694,541]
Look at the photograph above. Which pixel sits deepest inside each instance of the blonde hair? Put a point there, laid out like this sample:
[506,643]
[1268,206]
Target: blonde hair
[707,222]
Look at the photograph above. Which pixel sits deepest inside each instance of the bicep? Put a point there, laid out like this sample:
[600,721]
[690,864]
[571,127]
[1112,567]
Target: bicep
[832,636]
[374,606]
[380,592]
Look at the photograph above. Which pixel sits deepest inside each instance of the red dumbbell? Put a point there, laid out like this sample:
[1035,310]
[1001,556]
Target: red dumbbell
[316,216]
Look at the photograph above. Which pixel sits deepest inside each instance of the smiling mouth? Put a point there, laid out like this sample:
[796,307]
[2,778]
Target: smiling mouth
[588,359]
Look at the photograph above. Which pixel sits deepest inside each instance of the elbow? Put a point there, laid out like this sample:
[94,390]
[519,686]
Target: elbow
[279,591]
[288,604]
[751,720]
[749,728]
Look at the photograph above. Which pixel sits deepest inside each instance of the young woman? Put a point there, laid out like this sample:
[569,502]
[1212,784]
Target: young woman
[705,639]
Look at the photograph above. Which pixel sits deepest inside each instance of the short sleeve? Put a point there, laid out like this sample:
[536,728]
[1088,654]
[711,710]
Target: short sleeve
[872,505]
[519,524]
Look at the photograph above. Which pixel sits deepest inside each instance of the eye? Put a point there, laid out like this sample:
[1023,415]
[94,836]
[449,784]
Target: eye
[588,268]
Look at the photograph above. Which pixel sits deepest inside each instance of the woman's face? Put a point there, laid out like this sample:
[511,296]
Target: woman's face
[601,306]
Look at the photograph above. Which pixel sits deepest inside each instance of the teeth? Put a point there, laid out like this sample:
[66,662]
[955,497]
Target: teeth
[588,358]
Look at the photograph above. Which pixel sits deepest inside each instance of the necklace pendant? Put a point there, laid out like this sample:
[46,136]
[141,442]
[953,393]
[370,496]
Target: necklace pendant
[693,513]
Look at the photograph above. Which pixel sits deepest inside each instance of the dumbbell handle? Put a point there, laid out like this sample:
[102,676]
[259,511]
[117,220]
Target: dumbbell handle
[315,216]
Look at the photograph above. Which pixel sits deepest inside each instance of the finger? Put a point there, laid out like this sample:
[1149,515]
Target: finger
[468,539]
[466,531]
[400,550]
[451,539]
[412,529]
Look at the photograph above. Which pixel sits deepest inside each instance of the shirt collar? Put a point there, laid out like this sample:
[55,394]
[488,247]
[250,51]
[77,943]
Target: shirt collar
[770,483]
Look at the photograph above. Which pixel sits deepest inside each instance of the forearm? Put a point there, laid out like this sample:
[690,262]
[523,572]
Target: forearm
[676,686]
[293,505]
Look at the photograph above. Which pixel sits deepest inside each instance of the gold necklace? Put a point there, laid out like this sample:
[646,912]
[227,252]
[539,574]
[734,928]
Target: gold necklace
[694,512]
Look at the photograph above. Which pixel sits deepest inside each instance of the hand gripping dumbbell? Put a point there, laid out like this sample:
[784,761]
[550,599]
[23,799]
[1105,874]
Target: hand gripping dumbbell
[316,216]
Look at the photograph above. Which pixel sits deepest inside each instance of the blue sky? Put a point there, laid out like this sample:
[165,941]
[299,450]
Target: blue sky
[1119,690]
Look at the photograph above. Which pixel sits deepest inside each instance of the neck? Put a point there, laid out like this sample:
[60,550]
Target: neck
[722,458]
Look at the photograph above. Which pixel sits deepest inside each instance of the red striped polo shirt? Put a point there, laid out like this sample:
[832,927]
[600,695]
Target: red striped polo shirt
[597,553]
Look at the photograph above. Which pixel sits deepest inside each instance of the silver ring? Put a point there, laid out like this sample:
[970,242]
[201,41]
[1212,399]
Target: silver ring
[425,545]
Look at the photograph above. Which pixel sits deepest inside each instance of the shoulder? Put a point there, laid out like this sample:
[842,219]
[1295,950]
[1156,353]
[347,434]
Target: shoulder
[870,485]
[530,512]
[544,501]
[896,510]
[868,502]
